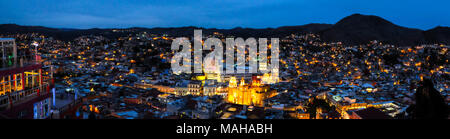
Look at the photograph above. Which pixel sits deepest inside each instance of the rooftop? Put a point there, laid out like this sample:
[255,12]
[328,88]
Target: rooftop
[7,39]
[372,113]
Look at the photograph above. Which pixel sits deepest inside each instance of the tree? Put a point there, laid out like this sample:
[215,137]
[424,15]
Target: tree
[430,104]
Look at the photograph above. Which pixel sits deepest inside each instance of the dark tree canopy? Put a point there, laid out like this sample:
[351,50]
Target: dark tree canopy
[430,104]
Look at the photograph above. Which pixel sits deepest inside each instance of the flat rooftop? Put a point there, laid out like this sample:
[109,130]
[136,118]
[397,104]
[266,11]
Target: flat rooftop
[7,39]
[60,102]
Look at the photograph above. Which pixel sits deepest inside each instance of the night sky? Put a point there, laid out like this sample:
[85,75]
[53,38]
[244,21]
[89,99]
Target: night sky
[422,14]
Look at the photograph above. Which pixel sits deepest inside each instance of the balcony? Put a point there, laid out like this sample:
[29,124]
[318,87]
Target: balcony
[21,96]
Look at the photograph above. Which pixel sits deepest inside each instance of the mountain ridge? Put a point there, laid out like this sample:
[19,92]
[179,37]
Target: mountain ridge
[354,29]
[358,29]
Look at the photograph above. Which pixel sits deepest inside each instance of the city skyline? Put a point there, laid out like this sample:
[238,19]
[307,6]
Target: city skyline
[364,65]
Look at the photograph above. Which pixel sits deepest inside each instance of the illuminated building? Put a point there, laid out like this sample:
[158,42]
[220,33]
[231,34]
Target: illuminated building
[195,88]
[188,88]
[256,81]
[181,89]
[232,82]
[247,94]
[301,115]
[24,92]
[209,89]
[242,82]
[269,78]
[212,71]
[222,91]
[160,88]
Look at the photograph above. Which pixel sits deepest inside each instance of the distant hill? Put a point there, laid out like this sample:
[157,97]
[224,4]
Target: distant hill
[13,28]
[359,29]
[241,32]
[354,29]
[63,34]
[305,28]
[438,35]
[70,34]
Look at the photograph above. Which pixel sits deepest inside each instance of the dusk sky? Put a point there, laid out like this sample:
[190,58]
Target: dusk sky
[422,14]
